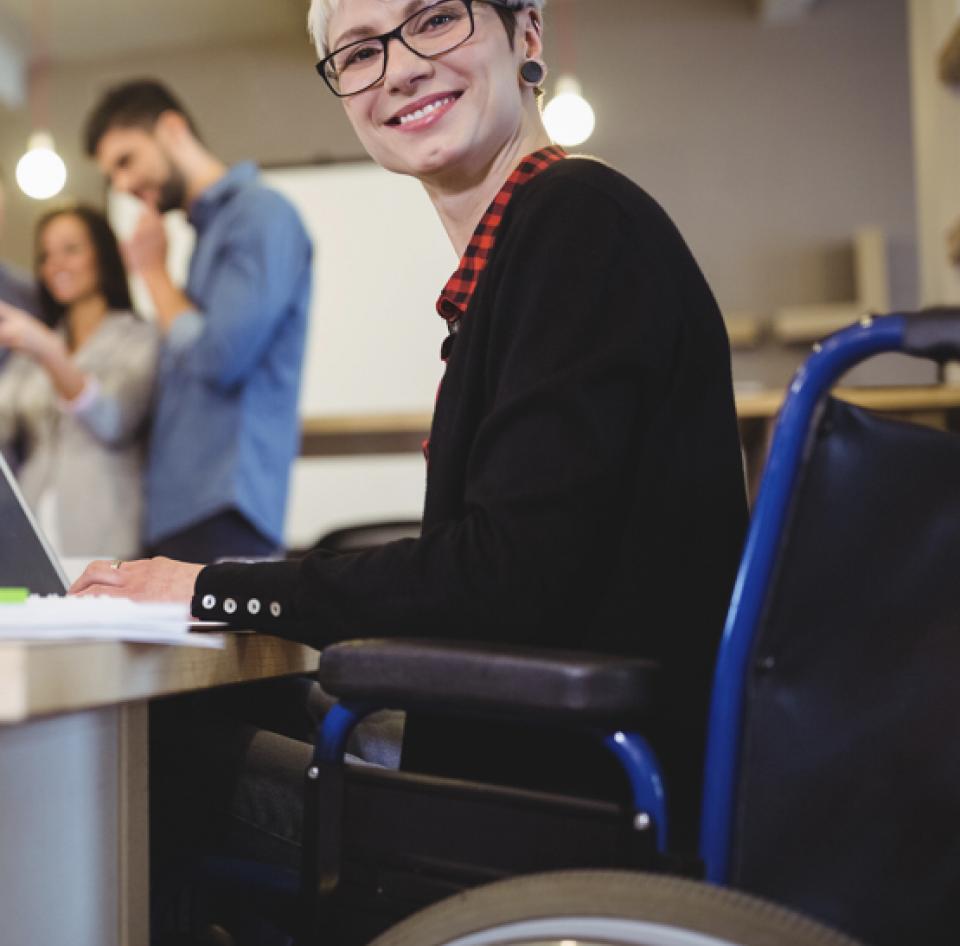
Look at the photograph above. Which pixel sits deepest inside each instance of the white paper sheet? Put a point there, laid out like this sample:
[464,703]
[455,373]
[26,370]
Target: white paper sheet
[101,618]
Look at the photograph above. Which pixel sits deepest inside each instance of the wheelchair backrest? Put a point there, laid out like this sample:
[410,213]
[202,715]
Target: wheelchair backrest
[848,802]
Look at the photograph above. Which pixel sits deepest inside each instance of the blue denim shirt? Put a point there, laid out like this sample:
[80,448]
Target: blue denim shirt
[226,427]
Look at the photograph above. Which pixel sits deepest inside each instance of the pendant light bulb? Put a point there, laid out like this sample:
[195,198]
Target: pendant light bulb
[568,117]
[41,172]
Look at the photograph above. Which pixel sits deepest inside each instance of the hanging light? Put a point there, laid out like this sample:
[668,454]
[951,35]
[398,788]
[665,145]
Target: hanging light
[568,116]
[41,172]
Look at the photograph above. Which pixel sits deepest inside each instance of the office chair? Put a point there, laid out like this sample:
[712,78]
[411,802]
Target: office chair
[368,535]
[832,782]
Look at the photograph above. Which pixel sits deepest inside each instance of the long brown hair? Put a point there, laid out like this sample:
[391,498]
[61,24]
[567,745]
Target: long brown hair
[111,276]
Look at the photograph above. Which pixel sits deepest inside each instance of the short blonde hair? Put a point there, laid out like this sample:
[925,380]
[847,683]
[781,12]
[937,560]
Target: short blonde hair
[318,17]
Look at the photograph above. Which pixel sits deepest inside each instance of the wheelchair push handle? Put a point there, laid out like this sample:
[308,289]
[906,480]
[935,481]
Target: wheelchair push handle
[933,333]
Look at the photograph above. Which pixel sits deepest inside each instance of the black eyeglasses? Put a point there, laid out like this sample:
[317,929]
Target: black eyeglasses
[430,32]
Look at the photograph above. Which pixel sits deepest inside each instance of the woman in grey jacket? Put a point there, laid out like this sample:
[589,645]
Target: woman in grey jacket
[76,396]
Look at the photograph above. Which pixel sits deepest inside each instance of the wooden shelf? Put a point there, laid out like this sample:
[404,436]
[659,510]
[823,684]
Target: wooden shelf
[892,400]
[744,331]
[363,434]
[949,65]
[802,325]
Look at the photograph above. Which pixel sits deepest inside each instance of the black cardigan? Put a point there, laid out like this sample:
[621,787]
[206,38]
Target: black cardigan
[584,488]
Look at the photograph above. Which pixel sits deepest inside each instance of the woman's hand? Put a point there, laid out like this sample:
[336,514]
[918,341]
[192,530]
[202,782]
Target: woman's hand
[22,332]
[152,579]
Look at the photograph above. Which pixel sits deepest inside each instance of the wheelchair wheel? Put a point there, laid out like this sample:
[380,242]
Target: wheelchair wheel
[606,908]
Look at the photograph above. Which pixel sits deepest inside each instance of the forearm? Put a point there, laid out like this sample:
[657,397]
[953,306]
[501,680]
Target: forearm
[68,380]
[469,579]
[119,400]
[169,301]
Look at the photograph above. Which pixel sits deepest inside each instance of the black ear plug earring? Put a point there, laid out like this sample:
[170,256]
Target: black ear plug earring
[532,72]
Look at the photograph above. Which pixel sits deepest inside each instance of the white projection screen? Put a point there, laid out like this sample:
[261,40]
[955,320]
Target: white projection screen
[381,257]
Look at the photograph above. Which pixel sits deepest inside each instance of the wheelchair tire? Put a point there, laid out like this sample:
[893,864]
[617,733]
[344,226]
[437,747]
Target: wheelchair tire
[602,908]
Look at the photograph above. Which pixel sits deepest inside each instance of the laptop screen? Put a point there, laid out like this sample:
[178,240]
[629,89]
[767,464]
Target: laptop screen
[26,561]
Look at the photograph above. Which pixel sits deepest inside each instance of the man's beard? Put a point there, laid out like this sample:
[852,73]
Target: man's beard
[173,192]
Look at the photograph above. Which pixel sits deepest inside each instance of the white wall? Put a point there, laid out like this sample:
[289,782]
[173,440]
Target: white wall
[380,258]
[333,492]
[374,338]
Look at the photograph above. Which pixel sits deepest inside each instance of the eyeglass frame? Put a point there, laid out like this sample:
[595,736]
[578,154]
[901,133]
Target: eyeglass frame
[397,34]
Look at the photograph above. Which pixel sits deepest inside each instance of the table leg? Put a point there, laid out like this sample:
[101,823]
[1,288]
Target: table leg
[133,812]
[59,831]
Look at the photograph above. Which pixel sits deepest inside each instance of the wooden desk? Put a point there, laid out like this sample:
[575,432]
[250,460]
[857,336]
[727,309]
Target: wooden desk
[363,434]
[73,776]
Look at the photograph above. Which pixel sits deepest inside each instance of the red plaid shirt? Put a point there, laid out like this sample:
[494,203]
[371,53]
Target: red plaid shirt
[456,294]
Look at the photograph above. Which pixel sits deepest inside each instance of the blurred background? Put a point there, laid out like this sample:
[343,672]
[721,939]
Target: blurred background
[807,149]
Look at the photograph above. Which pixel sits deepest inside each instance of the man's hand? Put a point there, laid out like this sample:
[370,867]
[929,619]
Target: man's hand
[22,332]
[152,579]
[146,250]
[145,253]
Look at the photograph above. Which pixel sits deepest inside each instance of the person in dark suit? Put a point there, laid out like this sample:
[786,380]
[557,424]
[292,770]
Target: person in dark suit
[17,288]
[584,479]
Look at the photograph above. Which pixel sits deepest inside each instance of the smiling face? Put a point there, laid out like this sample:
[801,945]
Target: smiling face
[67,262]
[446,118]
[135,161]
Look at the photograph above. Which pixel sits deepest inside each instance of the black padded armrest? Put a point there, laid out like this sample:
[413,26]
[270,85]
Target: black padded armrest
[490,678]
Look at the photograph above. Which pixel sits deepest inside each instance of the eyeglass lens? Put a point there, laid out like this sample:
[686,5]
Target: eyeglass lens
[430,32]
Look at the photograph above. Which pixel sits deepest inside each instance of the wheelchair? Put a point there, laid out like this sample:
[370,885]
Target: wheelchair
[831,792]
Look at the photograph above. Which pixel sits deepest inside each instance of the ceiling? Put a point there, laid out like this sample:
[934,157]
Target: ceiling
[85,29]
[80,30]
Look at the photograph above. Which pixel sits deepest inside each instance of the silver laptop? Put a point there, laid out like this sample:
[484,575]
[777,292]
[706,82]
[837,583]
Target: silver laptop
[26,559]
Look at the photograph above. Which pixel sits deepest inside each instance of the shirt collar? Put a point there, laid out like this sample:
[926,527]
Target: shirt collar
[205,206]
[456,294]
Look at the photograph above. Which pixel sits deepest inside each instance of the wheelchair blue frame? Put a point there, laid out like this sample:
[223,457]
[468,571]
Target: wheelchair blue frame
[631,750]
[830,359]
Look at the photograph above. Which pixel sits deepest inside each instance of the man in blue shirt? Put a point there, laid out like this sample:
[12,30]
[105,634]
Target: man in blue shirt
[226,428]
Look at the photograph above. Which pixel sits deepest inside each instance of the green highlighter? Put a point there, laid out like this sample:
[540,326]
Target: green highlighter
[14,595]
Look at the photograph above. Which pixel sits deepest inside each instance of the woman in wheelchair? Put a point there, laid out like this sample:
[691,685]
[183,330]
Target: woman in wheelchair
[584,488]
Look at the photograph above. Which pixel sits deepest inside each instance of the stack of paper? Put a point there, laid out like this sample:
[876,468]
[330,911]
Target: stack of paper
[100,618]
